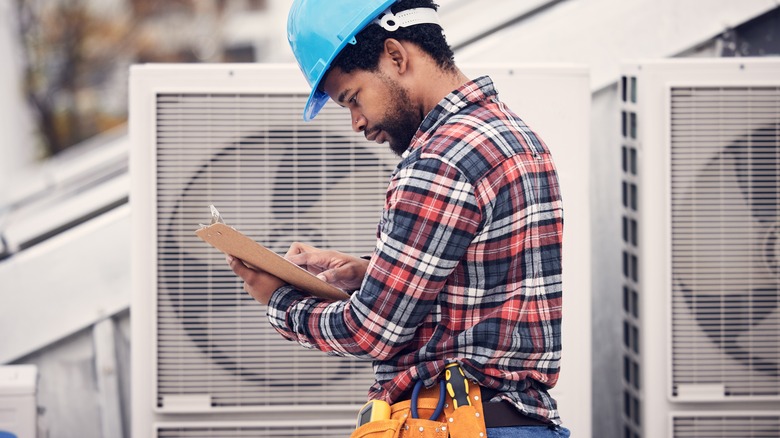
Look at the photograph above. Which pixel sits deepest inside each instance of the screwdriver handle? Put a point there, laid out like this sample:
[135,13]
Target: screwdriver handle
[457,385]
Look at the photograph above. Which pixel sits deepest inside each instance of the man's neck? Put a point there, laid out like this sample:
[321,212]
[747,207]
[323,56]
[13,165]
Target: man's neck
[437,85]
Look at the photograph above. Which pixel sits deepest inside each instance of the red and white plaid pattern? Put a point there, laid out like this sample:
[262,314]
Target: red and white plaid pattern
[467,265]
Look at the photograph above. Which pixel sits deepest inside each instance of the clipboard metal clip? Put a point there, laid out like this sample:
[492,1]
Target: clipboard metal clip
[216,218]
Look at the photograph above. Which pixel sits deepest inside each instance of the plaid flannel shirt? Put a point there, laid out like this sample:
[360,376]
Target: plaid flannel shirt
[467,265]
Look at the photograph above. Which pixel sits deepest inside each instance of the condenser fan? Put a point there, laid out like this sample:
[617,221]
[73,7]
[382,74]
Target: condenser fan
[725,261]
[276,187]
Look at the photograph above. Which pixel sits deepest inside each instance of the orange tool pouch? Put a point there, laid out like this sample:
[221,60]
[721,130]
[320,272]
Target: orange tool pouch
[464,422]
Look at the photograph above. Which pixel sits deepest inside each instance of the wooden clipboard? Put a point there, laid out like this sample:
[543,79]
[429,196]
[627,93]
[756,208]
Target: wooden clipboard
[232,242]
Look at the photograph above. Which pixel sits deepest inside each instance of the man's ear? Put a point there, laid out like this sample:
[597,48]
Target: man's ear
[397,54]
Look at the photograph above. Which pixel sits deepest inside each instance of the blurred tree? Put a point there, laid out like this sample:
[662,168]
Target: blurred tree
[68,52]
[76,55]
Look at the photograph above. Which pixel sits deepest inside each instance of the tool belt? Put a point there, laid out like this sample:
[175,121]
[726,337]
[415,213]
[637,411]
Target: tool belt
[454,409]
[463,422]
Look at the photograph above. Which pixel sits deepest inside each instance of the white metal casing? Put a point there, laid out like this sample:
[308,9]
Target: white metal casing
[18,407]
[553,100]
[694,424]
[680,119]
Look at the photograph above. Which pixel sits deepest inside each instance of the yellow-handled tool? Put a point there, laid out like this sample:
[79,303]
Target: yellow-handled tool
[457,385]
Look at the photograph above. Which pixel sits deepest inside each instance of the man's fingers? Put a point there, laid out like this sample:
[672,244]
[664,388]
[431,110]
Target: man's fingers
[314,262]
[299,259]
[257,283]
[336,274]
[299,248]
[239,268]
[308,259]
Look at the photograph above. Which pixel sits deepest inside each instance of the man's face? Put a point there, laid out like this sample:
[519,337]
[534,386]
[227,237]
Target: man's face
[378,106]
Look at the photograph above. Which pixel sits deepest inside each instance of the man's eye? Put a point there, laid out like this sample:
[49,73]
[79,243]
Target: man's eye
[353,99]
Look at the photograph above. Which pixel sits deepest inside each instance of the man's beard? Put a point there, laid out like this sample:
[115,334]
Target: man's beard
[401,121]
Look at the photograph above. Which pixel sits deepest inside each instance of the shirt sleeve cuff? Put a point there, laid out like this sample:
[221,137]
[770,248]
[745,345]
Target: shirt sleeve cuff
[281,301]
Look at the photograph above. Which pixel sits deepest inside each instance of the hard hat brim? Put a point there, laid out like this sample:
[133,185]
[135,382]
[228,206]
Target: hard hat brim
[317,100]
[329,43]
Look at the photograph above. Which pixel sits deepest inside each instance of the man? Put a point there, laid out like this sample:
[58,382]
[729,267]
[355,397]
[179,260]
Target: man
[467,265]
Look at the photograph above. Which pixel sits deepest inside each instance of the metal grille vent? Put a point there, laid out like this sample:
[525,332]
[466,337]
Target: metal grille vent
[278,180]
[748,426]
[725,206]
[244,431]
[631,293]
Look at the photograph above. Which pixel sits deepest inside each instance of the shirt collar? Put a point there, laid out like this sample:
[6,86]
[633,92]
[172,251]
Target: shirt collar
[471,92]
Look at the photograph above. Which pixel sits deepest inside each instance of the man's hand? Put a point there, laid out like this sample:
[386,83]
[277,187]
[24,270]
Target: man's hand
[341,270]
[259,284]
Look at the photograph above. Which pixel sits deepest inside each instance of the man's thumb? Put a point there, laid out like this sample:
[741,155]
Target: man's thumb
[331,275]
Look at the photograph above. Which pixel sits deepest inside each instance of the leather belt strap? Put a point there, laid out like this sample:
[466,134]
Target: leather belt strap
[499,414]
[503,413]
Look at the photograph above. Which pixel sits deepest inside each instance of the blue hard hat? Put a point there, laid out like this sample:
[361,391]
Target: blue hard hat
[317,31]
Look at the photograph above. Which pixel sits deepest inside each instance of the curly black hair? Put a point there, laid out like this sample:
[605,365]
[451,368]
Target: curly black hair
[370,42]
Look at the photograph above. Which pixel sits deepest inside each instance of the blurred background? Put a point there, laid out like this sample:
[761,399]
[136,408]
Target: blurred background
[65,240]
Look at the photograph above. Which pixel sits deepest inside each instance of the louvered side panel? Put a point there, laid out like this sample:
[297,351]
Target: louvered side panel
[725,205]
[278,180]
[736,426]
[632,291]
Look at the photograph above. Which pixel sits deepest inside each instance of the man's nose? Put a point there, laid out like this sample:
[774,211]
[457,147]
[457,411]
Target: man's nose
[358,122]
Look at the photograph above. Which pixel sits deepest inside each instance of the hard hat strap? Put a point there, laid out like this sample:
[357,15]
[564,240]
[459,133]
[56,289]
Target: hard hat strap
[391,22]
